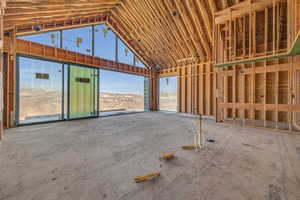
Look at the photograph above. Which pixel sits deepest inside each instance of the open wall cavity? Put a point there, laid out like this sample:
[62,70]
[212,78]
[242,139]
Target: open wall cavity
[261,94]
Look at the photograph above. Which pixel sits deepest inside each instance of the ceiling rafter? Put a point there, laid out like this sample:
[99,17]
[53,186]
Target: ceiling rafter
[204,42]
[172,26]
[142,46]
[166,28]
[32,11]
[65,13]
[164,32]
[124,19]
[156,29]
[206,18]
[189,30]
[151,27]
[137,48]
[173,15]
[139,33]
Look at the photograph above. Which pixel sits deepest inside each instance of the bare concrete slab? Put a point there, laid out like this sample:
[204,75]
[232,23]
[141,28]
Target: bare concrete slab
[98,158]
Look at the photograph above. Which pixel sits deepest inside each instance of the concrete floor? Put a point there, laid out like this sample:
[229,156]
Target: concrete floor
[98,159]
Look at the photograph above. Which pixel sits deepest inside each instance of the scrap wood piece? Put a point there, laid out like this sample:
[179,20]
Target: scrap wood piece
[139,179]
[167,156]
[190,147]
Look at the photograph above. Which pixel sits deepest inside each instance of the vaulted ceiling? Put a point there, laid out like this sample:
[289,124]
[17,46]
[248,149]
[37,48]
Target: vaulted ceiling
[164,31]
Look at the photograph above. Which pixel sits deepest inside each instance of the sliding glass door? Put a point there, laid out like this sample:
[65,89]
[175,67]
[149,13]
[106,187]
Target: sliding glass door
[122,93]
[83,91]
[40,91]
[53,91]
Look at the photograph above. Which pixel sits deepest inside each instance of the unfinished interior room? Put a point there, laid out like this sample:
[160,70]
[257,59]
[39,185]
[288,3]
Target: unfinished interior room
[150,99]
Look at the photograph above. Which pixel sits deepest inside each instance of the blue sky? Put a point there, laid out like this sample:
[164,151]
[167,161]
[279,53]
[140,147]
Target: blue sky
[28,69]
[104,47]
[104,43]
[168,84]
[110,81]
[121,83]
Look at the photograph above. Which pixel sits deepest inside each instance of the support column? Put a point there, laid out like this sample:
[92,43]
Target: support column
[2,5]
[154,89]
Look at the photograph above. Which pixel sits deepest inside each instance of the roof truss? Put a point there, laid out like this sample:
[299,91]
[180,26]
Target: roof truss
[164,32]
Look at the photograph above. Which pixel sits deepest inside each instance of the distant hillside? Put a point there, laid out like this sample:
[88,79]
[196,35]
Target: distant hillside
[39,102]
[168,101]
[112,101]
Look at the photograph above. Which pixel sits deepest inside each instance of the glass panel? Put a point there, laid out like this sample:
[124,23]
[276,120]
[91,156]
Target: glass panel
[146,93]
[66,85]
[83,86]
[105,42]
[168,93]
[120,92]
[40,91]
[49,38]
[78,40]
[139,63]
[125,55]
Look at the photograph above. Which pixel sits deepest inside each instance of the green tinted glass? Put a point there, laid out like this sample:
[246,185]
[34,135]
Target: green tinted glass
[83,92]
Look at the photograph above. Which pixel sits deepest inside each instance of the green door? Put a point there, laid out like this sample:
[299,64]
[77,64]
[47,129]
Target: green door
[83,84]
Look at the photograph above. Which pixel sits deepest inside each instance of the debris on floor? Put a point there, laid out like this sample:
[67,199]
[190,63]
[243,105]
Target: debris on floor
[167,156]
[190,147]
[152,175]
[249,145]
[211,140]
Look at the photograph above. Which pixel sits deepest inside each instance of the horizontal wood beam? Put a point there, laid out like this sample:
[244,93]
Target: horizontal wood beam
[249,106]
[28,28]
[241,9]
[29,48]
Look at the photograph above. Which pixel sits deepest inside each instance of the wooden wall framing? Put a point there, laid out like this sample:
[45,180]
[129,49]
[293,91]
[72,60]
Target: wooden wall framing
[252,30]
[261,94]
[196,87]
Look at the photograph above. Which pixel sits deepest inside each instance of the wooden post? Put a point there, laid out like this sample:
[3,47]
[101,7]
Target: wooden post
[179,108]
[154,89]
[2,5]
